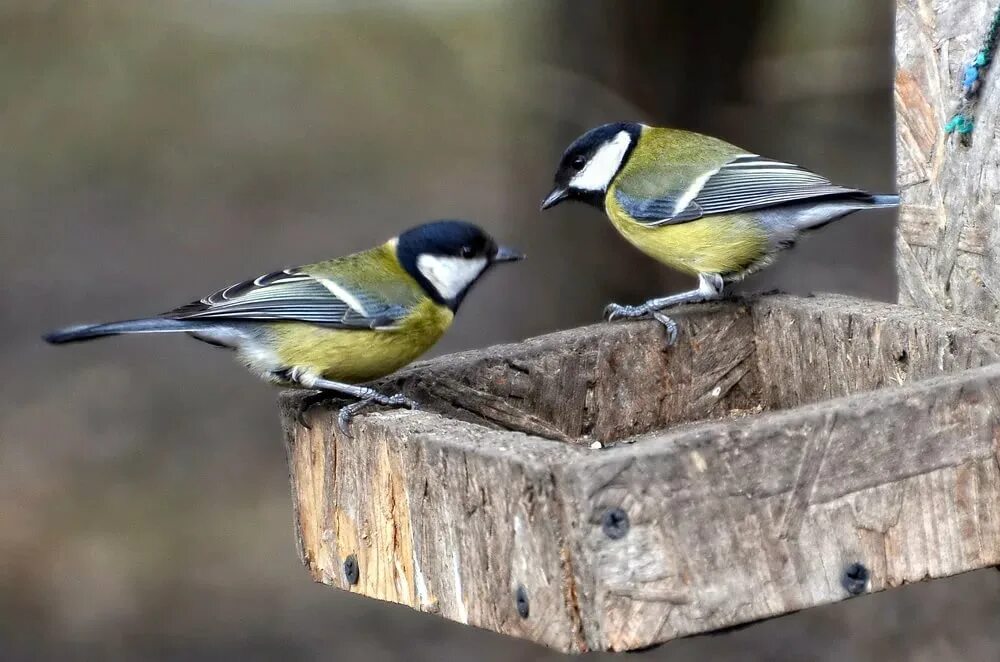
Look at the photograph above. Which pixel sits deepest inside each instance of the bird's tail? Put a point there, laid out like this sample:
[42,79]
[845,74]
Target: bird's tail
[812,215]
[83,332]
[883,201]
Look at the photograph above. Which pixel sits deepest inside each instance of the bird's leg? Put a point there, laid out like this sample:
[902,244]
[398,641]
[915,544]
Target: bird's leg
[710,287]
[365,396]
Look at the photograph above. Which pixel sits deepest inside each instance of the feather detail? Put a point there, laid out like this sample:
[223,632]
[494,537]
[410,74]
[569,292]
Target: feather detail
[745,183]
[298,295]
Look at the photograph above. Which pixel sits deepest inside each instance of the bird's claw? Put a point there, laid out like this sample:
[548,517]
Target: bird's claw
[307,403]
[348,412]
[668,324]
[616,311]
[397,400]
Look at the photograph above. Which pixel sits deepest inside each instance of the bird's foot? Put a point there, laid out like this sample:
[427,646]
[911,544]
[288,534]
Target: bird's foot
[348,412]
[669,325]
[616,311]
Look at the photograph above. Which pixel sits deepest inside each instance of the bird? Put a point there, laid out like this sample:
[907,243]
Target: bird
[332,326]
[698,204]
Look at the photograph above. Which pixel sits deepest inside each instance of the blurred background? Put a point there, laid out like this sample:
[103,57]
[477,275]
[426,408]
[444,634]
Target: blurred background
[153,152]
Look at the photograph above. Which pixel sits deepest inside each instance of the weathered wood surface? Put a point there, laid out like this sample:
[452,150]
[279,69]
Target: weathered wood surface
[949,224]
[747,493]
[571,385]
[736,522]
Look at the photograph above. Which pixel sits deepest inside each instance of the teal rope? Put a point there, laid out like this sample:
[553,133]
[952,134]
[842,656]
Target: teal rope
[962,121]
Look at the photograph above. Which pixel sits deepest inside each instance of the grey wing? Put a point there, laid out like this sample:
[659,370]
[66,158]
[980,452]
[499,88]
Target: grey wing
[746,183]
[292,295]
[659,210]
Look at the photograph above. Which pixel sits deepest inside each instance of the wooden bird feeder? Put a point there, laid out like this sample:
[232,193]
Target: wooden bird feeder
[594,489]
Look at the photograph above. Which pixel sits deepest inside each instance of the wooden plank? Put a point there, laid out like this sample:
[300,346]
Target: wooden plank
[440,515]
[713,515]
[948,237]
[823,347]
[731,523]
[601,381]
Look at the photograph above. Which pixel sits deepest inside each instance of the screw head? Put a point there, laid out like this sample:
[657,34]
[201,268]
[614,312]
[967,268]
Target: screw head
[614,523]
[352,571]
[521,601]
[855,579]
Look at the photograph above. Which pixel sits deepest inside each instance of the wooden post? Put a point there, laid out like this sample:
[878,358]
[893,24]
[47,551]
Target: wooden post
[594,489]
[949,225]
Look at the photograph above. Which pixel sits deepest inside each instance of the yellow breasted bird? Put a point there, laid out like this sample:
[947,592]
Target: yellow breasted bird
[336,324]
[698,204]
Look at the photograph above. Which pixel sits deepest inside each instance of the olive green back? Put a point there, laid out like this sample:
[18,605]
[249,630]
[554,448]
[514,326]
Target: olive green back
[665,162]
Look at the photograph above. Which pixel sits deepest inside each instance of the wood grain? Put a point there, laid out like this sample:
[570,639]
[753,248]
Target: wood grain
[948,232]
[735,522]
[598,382]
[441,515]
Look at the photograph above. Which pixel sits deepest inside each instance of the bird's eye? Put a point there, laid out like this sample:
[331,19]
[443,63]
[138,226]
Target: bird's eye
[578,162]
[468,251]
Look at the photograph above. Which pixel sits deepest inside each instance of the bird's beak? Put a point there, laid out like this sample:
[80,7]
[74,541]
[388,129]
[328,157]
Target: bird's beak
[552,199]
[507,254]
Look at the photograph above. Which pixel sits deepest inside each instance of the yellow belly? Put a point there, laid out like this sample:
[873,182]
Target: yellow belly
[355,356]
[714,244]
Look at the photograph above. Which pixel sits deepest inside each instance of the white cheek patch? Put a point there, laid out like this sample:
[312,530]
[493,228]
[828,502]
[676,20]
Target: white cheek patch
[602,166]
[450,275]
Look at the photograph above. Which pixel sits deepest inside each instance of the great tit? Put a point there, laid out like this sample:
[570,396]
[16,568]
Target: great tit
[698,204]
[336,324]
